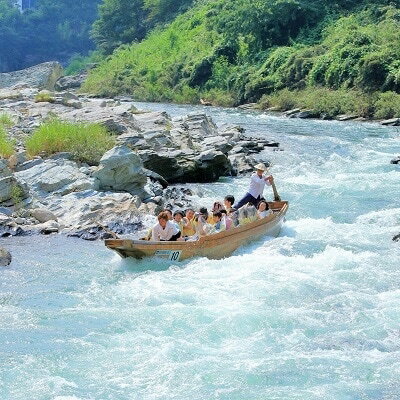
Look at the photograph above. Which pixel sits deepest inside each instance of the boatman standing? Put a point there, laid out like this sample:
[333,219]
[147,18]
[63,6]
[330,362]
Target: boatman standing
[256,189]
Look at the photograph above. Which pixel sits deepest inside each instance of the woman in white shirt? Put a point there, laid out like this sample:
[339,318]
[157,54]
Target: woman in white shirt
[256,189]
[263,209]
[165,230]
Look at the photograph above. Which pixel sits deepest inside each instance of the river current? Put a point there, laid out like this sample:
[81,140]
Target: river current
[313,314]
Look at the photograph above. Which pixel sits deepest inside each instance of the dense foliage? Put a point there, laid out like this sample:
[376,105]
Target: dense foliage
[52,30]
[236,51]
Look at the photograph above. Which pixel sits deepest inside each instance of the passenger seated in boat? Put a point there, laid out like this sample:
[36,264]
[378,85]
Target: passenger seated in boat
[227,219]
[170,215]
[218,226]
[203,227]
[189,223]
[178,220]
[263,209]
[229,201]
[165,230]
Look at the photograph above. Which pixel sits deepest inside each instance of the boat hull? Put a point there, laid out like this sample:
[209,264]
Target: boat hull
[214,246]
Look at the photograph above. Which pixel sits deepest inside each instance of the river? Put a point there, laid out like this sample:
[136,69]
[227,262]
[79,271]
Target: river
[313,314]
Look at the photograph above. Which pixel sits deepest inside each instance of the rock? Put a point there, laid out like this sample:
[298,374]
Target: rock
[291,112]
[242,164]
[199,126]
[396,238]
[42,76]
[72,103]
[218,143]
[55,176]
[70,82]
[87,209]
[205,102]
[5,257]
[121,170]
[248,106]
[43,215]
[346,117]
[48,227]
[63,155]
[5,211]
[391,122]
[10,189]
[28,164]
[395,160]
[17,159]
[156,177]
[305,114]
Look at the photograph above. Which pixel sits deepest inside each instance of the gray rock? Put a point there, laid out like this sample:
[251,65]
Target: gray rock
[42,76]
[391,122]
[29,164]
[346,117]
[121,170]
[5,211]
[395,160]
[55,176]
[5,257]
[43,215]
[70,82]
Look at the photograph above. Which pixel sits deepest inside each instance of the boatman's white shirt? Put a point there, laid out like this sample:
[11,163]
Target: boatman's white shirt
[158,233]
[257,185]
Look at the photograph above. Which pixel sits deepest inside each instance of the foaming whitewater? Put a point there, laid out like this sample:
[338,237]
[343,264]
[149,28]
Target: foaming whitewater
[312,314]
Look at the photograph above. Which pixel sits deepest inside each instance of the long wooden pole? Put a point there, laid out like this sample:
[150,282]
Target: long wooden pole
[276,195]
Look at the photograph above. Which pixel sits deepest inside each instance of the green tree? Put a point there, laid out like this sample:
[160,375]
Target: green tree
[119,22]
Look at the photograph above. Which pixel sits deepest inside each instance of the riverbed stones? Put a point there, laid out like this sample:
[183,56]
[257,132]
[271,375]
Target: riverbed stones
[121,170]
[5,257]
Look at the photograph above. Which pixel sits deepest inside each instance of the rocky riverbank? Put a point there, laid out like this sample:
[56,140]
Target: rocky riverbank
[132,180]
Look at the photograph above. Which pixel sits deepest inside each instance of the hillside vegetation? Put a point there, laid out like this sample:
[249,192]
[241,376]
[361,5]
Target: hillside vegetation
[51,30]
[235,51]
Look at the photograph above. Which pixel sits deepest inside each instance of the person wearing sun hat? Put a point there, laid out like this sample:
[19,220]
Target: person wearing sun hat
[257,184]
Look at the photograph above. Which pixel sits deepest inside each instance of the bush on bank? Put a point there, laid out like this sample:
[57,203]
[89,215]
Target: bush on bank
[331,103]
[86,142]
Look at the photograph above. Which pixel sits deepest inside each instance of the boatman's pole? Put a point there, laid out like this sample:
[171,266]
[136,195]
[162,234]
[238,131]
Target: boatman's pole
[276,195]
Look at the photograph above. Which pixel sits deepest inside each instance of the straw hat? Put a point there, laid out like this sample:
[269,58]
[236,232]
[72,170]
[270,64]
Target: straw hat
[261,167]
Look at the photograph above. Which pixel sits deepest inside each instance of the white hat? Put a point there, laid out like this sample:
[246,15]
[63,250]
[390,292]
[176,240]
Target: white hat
[261,167]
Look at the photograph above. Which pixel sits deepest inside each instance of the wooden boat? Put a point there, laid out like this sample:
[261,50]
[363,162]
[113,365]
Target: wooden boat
[215,246]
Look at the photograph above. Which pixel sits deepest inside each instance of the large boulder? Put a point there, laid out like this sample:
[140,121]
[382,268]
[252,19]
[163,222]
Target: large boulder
[121,170]
[55,176]
[42,76]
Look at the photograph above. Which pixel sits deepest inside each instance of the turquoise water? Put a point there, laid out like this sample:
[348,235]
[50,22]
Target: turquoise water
[313,314]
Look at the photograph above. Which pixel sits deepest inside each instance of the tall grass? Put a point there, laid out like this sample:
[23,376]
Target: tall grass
[6,145]
[6,120]
[86,142]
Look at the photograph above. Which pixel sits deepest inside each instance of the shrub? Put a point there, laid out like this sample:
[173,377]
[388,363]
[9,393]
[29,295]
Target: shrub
[6,121]
[6,145]
[44,97]
[387,106]
[86,142]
